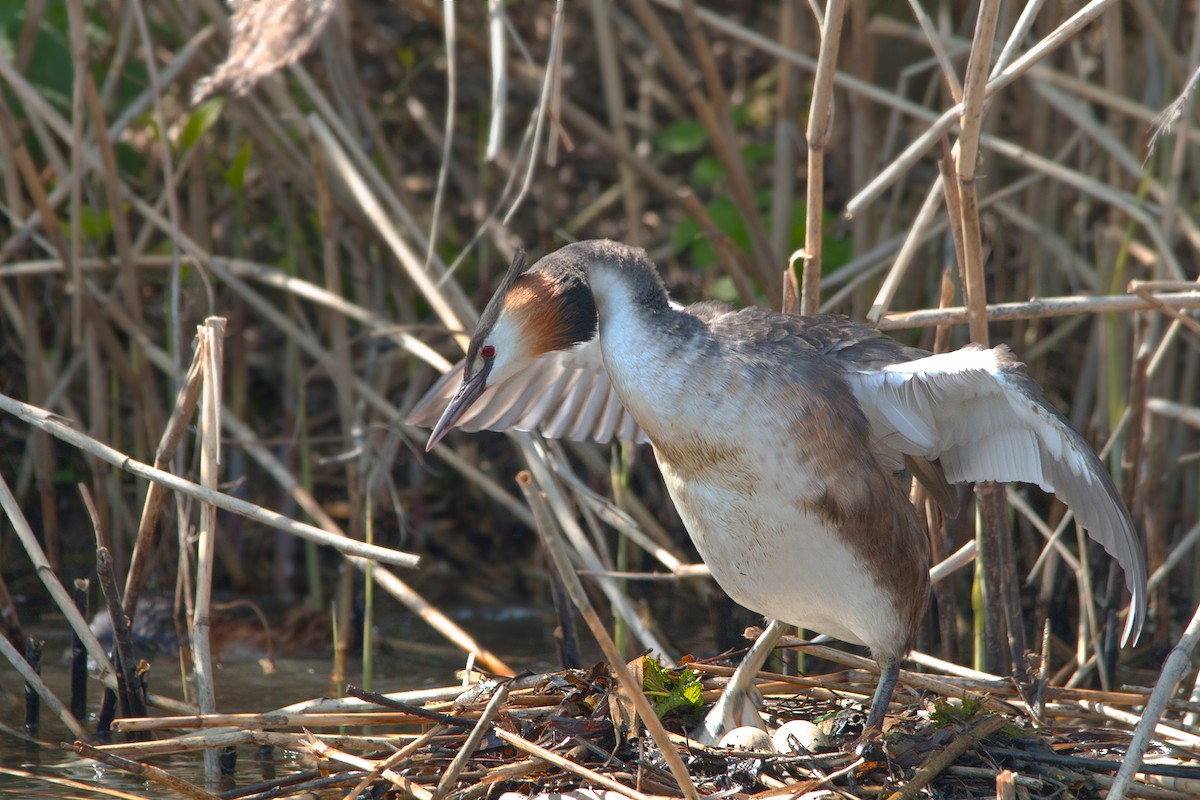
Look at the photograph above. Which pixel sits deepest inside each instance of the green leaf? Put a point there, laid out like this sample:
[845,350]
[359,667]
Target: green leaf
[96,225]
[707,171]
[724,290]
[203,117]
[728,217]
[837,249]
[685,136]
[686,232]
[758,153]
[671,690]
[947,711]
[235,176]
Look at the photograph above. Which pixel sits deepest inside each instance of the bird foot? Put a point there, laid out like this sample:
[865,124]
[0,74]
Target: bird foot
[734,709]
[870,744]
[740,702]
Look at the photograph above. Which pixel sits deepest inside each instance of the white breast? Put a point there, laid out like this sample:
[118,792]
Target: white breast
[740,482]
[780,561]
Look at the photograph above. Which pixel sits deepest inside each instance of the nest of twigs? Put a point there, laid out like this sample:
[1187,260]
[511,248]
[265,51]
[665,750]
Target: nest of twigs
[964,735]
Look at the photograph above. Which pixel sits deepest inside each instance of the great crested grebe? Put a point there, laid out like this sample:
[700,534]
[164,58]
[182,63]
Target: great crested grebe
[778,437]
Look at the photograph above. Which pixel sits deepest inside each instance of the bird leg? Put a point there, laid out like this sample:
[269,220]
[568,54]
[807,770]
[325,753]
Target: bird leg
[730,710]
[889,673]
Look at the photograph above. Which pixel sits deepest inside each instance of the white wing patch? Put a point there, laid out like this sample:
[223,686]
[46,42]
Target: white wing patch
[987,421]
[966,410]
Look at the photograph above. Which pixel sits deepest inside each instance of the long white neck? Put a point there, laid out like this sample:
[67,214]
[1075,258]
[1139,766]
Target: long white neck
[650,350]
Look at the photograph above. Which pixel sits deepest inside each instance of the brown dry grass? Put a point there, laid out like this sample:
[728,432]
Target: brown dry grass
[349,213]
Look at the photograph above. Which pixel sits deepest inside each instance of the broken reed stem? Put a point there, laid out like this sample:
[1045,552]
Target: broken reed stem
[62,598]
[566,571]
[129,689]
[52,424]
[17,659]
[820,116]
[212,348]
[945,756]
[578,769]
[186,400]
[468,748]
[1177,664]
[150,773]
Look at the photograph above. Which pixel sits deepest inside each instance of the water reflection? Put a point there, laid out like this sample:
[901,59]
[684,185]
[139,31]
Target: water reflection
[410,656]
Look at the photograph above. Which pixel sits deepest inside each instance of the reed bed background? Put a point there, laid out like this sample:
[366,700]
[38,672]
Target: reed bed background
[345,190]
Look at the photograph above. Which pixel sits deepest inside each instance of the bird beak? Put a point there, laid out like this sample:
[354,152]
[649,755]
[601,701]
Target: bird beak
[470,390]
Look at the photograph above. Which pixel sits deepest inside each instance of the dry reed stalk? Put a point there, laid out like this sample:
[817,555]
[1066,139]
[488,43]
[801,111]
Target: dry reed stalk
[150,773]
[1176,666]
[995,544]
[410,788]
[1042,308]
[945,756]
[908,252]
[211,344]
[47,422]
[1093,161]
[554,544]
[351,425]
[820,119]
[453,318]
[615,517]
[577,769]
[584,550]
[34,681]
[41,564]
[275,719]
[248,441]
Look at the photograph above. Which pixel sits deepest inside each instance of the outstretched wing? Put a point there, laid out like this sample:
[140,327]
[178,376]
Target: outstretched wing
[986,420]
[564,394]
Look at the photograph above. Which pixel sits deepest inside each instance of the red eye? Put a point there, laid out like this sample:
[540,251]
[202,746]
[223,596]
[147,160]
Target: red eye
[487,351]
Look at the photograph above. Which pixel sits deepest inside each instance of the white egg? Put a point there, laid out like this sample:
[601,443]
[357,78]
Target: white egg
[799,736]
[747,737]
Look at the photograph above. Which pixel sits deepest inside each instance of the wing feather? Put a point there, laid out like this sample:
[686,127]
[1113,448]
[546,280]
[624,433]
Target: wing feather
[986,420]
[564,394]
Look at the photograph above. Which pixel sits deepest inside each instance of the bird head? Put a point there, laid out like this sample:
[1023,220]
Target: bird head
[548,308]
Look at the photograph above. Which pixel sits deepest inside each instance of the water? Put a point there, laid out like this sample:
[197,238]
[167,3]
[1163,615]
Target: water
[412,657]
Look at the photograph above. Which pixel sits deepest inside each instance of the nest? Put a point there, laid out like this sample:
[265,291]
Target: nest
[575,732]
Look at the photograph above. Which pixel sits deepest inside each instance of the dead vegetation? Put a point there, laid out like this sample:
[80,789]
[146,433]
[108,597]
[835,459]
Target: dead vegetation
[347,214]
